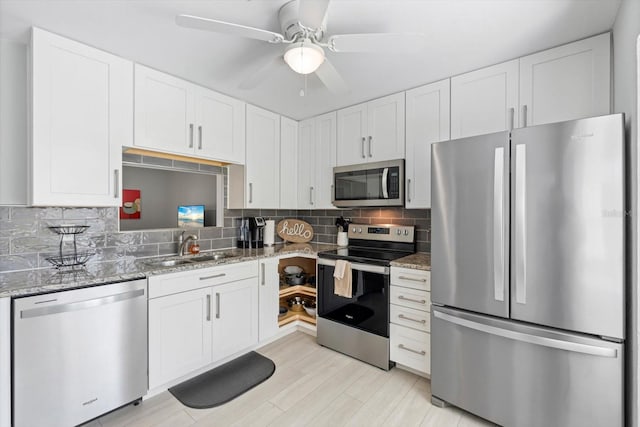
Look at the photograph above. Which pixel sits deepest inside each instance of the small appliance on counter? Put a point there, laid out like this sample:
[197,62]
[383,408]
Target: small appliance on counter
[251,232]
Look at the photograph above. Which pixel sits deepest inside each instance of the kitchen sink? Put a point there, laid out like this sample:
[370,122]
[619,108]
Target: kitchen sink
[183,261]
[212,257]
[169,262]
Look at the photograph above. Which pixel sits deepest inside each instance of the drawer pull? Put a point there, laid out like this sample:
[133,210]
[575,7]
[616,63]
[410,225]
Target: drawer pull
[215,276]
[422,301]
[421,353]
[402,316]
[412,279]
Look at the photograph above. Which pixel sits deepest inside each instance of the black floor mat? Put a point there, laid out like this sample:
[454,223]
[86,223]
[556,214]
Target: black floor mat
[224,383]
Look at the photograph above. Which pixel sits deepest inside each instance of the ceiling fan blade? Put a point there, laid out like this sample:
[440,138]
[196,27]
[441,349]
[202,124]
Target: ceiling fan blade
[331,78]
[228,28]
[377,43]
[260,73]
[311,13]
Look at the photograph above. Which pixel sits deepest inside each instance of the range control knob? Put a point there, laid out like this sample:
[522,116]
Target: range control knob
[398,232]
[359,230]
[406,232]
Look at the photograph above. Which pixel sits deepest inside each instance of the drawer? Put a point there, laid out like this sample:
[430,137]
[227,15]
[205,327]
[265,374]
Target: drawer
[416,319]
[172,283]
[410,278]
[410,348]
[411,298]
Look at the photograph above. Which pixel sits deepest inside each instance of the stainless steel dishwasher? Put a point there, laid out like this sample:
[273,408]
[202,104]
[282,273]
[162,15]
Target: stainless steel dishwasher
[78,354]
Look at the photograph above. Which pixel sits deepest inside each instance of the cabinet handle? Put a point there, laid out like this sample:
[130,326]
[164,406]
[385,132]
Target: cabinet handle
[402,316]
[208,307]
[421,301]
[199,137]
[370,139]
[263,274]
[409,190]
[217,305]
[512,114]
[412,279]
[311,195]
[116,184]
[213,277]
[421,353]
[363,141]
[190,135]
[250,192]
[524,116]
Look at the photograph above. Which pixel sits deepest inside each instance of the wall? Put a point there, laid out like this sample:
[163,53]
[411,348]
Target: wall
[625,76]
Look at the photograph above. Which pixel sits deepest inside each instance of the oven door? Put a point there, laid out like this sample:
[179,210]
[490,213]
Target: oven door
[367,309]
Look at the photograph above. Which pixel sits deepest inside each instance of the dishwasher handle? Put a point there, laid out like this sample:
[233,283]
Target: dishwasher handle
[80,305]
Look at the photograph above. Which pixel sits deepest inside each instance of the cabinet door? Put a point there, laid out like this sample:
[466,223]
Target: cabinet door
[262,159]
[81,116]
[325,160]
[352,132]
[235,317]
[179,335]
[385,138]
[484,101]
[268,298]
[427,121]
[288,163]
[566,83]
[306,164]
[220,128]
[164,112]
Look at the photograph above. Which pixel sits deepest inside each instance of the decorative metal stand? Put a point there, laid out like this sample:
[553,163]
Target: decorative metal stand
[74,259]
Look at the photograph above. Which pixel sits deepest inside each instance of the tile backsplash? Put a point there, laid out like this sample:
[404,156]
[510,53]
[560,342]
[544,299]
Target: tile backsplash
[25,240]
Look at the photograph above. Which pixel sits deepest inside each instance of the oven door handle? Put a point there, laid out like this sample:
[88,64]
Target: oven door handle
[378,269]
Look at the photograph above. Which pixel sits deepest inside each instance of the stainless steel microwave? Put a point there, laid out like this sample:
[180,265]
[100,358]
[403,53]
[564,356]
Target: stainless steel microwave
[369,184]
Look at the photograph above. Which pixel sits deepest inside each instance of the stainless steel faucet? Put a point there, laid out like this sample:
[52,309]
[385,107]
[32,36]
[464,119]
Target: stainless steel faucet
[182,240]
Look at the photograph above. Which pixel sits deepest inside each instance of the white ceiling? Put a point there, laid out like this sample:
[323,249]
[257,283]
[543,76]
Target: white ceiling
[462,35]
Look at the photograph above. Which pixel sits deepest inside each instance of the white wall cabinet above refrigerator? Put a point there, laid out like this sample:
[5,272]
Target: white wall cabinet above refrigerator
[371,132]
[316,159]
[82,115]
[564,83]
[176,116]
[427,121]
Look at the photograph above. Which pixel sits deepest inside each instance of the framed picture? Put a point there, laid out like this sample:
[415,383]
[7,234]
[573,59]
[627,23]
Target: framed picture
[191,216]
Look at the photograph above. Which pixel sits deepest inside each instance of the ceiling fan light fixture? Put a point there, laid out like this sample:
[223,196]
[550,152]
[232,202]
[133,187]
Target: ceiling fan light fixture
[304,57]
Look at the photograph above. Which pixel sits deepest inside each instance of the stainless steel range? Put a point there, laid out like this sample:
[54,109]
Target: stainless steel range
[359,325]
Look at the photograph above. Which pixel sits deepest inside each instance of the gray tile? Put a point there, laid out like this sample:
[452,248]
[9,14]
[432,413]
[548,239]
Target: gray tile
[185,165]
[131,158]
[422,224]
[4,246]
[205,244]
[81,213]
[230,232]
[395,221]
[222,243]
[213,232]
[422,236]
[391,212]
[416,213]
[22,245]
[156,161]
[157,236]
[423,247]
[18,262]
[108,254]
[324,220]
[168,249]
[125,238]
[36,213]
[142,250]
[268,212]
[370,212]
[18,228]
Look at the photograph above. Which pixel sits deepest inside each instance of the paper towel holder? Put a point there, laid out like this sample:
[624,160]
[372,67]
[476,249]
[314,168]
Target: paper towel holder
[269,232]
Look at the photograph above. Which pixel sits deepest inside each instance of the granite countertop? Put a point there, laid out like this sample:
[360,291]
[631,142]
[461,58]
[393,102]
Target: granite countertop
[31,282]
[417,261]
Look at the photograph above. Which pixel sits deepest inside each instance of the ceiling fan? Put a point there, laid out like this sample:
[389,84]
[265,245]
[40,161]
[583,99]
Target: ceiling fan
[303,26]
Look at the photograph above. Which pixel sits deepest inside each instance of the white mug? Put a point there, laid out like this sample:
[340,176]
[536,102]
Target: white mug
[343,240]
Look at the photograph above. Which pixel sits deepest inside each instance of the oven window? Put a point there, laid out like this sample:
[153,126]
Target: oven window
[368,309]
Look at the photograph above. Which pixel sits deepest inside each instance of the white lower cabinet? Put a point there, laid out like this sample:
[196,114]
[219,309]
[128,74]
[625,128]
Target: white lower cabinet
[409,330]
[269,280]
[199,317]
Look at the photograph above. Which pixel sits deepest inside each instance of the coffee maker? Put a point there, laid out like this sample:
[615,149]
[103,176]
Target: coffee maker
[251,232]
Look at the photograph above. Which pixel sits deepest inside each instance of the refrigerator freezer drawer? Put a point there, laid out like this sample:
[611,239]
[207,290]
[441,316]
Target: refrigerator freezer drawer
[410,348]
[519,375]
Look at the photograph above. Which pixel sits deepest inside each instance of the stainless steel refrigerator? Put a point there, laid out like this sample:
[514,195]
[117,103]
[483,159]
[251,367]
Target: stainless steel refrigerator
[528,274]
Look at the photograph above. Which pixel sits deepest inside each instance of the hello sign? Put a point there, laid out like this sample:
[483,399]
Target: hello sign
[295,230]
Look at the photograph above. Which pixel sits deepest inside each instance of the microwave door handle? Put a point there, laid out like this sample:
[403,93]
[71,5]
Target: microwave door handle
[385,183]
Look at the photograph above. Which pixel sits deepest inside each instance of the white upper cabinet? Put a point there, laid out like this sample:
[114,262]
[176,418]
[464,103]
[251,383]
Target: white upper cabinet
[82,115]
[427,122]
[262,159]
[485,100]
[288,163]
[565,83]
[371,132]
[316,160]
[175,116]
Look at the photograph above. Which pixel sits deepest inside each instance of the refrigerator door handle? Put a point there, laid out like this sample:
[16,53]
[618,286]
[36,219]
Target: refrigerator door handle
[592,350]
[520,217]
[498,224]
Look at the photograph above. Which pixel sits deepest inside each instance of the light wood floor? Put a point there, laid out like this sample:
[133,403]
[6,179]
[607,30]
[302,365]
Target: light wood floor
[312,386]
